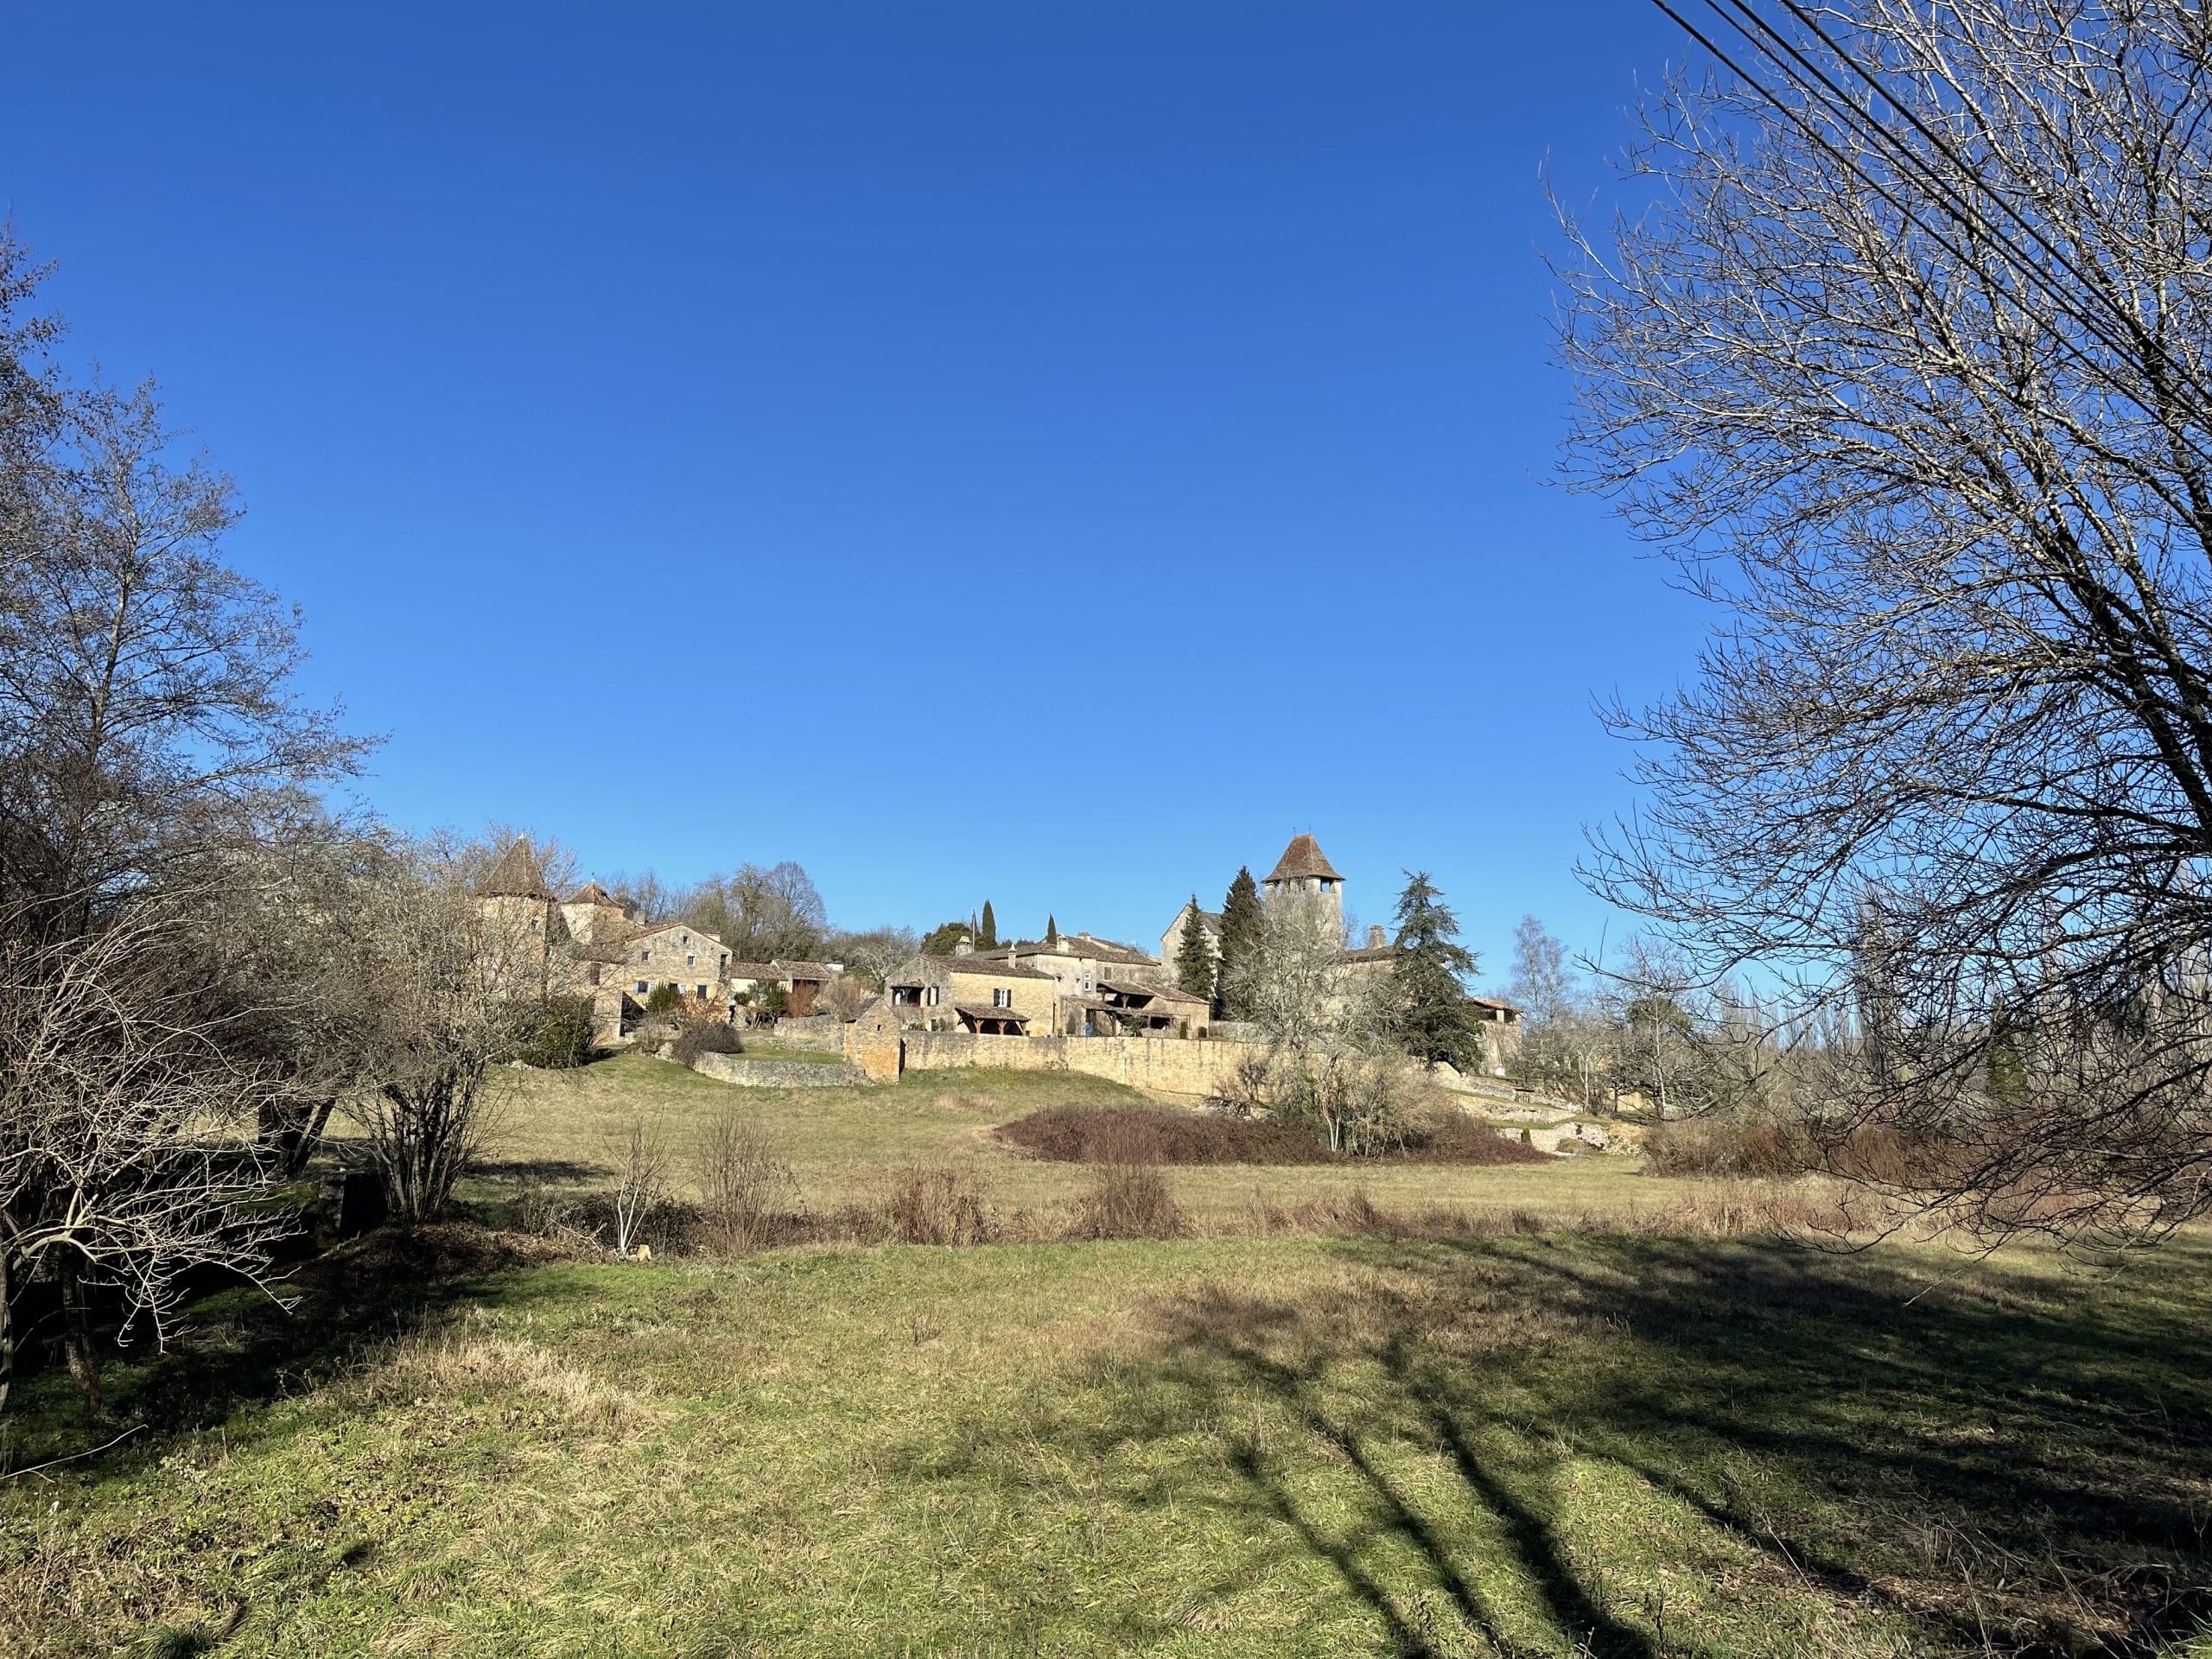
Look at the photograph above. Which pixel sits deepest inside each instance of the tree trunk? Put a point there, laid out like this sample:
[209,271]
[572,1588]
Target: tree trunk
[77,1335]
[7,1325]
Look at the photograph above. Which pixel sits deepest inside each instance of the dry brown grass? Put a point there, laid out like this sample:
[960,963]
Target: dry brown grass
[475,1368]
[940,1206]
[1129,1201]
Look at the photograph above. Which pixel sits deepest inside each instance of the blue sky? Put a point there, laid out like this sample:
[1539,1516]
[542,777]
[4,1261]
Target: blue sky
[1048,453]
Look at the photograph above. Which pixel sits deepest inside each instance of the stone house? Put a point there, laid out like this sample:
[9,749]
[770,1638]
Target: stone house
[972,992]
[676,953]
[525,947]
[1170,942]
[1078,963]
[1136,1009]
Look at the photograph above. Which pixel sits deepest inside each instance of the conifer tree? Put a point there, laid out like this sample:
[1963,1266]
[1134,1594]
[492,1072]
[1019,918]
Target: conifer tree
[1240,938]
[1195,963]
[1435,1019]
[1052,929]
[988,935]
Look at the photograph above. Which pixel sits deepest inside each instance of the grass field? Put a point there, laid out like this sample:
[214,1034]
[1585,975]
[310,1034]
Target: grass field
[1619,1443]
[849,1144]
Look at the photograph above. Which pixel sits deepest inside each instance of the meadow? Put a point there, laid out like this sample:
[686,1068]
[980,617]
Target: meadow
[1601,1418]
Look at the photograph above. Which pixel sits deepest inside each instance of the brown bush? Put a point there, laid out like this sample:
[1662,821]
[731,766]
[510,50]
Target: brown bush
[1138,1136]
[1717,1148]
[708,1036]
[1129,1201]
[748,1191]
[939,1206]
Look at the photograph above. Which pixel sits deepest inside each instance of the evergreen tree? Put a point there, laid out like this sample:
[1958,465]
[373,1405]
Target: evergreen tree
[988,937]
[940,940]
[1435,1019]
[1240,939]
[1194,959]
[1052,929]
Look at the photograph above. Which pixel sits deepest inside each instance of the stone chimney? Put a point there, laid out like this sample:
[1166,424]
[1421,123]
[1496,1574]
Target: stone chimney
[1376,938]
[1060,944]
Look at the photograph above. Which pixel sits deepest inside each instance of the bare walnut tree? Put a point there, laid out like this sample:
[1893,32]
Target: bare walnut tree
[1908,369]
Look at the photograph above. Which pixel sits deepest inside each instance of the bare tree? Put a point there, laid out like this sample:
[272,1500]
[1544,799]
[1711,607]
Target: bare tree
[641,1172]
[1329,1060]
[1906,368]
[745,1181]
[128,1146]
[869,956]
[443,984]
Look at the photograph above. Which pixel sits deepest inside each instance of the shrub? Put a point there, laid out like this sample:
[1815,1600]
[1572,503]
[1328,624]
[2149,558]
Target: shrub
[1139,1135]
[1129,1201]
[1722,1148]
[712,1036]
[939,1206]
[664,999]
[747,1188]
[555,1035]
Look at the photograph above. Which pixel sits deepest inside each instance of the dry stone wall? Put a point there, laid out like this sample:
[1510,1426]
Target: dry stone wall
[1169,1064]
[777,1074]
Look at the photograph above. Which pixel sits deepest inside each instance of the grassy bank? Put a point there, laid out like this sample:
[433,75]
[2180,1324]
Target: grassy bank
[1620,1441]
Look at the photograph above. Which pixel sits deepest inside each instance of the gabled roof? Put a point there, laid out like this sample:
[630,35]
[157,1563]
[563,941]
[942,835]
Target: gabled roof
[590,893]
[990,967]
[1303,857]
[656,930]
[1012,1015]
[805,970]
[515,876]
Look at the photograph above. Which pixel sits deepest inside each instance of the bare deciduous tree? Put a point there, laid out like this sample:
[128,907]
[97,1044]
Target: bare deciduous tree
[441,982]
[641,1171]
[745,1181]
[1907,368]
[128,1148]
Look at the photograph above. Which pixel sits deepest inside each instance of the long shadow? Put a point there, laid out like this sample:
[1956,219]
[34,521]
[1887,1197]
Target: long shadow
[2011,1464]
[241,1346]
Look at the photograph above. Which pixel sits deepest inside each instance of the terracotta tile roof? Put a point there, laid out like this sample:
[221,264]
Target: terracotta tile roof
[590,893]
[1082,944]
[1303,857]
[1161,993]
[751,970]
[1495,1002]
[989,967]
[973,1013]
[515,876]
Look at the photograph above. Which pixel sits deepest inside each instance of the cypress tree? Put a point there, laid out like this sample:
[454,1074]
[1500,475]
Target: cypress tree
[1435,1022]
[1194,958]
[987,936]
[1240,938]
[1052,929]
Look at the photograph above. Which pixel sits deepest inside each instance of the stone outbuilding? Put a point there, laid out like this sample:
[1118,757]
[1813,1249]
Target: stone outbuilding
[973,992]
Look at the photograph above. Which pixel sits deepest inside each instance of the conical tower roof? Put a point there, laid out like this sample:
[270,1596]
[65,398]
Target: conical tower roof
[515,876]
[1303,857]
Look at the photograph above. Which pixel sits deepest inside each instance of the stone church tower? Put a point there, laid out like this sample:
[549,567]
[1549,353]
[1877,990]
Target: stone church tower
[1303,867]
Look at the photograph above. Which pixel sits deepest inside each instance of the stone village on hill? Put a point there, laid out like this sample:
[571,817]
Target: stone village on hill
[1069,989]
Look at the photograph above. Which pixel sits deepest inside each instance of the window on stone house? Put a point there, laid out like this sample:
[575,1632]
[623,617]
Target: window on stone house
[644,957]
[691,962]
[1002,997]
[1086,981]
[702,990]
[641,987]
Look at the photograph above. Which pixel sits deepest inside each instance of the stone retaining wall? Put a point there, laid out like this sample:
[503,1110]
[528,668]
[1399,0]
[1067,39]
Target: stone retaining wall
[817,1032]
[1172,1066]
[777,1074]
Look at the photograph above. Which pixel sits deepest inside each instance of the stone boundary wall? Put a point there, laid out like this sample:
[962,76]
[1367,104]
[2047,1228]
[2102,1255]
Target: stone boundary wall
[1173,1065]
[777,1074]
[822,1032]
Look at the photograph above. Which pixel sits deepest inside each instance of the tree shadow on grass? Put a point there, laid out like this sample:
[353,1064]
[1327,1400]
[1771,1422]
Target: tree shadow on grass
[1840,1455]
[239,1346]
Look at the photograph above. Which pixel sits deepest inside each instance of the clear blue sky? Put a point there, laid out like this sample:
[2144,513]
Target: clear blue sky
[1048,453]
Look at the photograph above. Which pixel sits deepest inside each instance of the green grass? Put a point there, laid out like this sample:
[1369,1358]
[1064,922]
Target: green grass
[847,1146]
[1625,1444]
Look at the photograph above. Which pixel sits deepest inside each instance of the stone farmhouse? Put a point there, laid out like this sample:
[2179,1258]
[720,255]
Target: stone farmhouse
[593,943]
[988,994]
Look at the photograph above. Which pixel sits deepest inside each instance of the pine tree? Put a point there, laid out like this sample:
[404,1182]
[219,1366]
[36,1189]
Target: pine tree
[1240,939]
[987,938]
[1052,929]
[1194,959]
[1435,1019]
